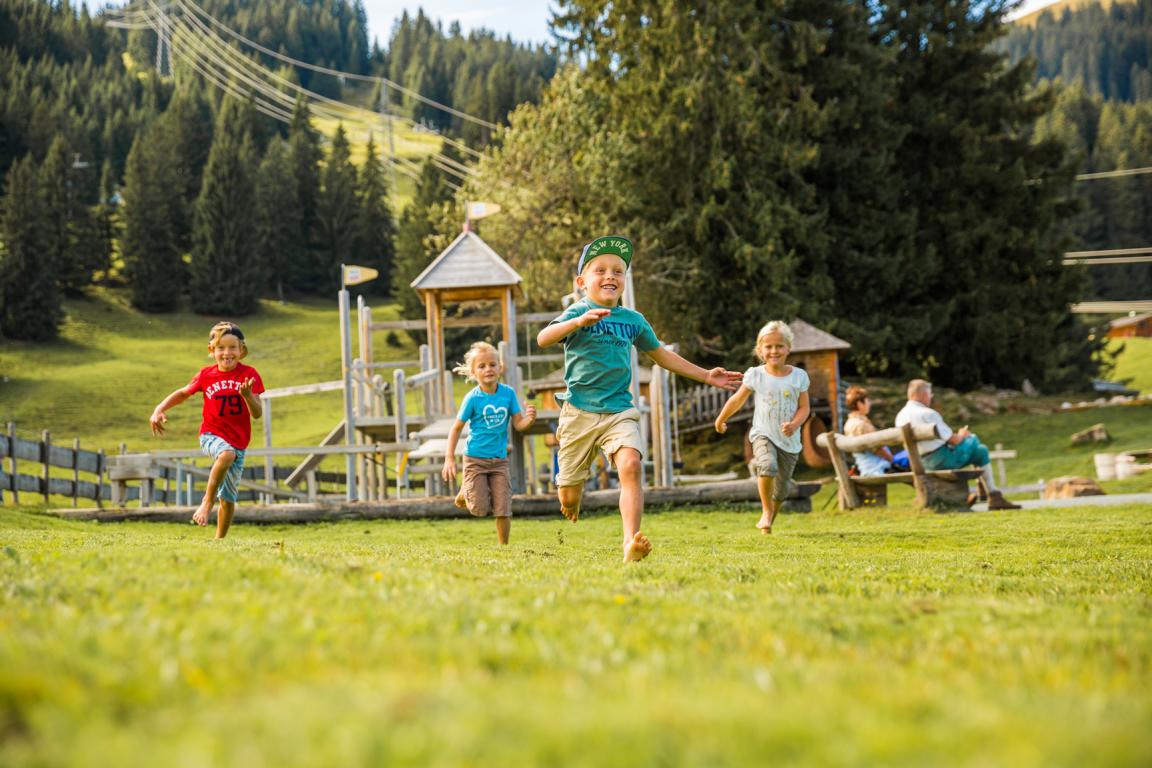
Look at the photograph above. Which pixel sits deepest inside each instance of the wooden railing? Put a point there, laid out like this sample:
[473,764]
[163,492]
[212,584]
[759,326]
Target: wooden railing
[698,407]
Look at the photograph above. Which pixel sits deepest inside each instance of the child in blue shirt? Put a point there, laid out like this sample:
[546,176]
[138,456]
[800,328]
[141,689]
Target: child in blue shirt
[487,409]
[598,413]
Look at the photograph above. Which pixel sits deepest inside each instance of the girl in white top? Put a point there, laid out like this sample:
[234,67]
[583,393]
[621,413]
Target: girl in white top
[781,409]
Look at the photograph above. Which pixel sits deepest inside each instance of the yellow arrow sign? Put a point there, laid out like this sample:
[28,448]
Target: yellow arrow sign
[480,210]
[354,275]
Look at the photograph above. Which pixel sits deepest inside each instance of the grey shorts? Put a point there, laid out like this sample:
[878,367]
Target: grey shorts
[769,460]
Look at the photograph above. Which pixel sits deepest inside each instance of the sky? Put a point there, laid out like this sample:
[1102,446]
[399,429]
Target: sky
[525,20]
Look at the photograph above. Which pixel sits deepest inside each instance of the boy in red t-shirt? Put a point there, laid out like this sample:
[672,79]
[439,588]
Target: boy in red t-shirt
[231,398]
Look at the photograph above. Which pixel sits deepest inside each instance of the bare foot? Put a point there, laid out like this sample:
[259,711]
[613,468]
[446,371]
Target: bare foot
[764,523]
[460,501]
[637,549]
[571,514]
[201,515]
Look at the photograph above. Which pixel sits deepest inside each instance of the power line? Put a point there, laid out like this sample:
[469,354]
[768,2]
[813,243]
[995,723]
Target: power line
[1113,174]
[351,75]
[222,66]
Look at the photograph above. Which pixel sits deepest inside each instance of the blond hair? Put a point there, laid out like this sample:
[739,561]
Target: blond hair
[773,326]
[474,351]
[225,328]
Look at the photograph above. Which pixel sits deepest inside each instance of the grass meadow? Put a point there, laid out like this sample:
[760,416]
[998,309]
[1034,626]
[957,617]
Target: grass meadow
[889,637]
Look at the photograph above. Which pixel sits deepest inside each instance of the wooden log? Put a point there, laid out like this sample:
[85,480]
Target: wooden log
[443,506]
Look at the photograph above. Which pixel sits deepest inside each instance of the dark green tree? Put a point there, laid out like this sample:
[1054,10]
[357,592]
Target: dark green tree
[225,269]
[305,271]
[30,307]
[375,229]
[416,236]
[989,202]
[337,211]
[151,241]
[277,216]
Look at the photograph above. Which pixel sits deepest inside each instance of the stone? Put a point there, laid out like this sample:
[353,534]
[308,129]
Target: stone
[1096,433]
[1071,487]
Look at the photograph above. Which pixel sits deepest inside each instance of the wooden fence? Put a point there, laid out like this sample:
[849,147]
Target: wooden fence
[17,452]
[698,407]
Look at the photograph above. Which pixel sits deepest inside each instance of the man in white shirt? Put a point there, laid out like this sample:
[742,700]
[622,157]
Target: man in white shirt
[953,449]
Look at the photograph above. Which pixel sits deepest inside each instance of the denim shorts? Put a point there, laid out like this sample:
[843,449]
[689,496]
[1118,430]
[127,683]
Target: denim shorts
[213,446]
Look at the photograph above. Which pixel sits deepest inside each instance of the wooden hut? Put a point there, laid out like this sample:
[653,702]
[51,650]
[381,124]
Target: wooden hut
[468,270]
[1130,327]
[818,353]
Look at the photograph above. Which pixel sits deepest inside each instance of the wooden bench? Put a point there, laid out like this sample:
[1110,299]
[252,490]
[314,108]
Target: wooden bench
[946,488]
[133,466]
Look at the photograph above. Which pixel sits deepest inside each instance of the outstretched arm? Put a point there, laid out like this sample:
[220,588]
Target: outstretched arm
[159,418]
[735,403]
[551,334]
[717,377]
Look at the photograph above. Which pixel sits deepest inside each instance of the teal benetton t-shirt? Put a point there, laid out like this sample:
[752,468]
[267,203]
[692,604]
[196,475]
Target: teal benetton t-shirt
[598,359]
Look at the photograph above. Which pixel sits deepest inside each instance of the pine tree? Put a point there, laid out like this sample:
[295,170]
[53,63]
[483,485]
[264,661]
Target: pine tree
[73,245]
[990,203]
[277,216]
[375,230]
[30,307]
[150,245]
[337,211]
[416,244]
[305,270]
[225,269]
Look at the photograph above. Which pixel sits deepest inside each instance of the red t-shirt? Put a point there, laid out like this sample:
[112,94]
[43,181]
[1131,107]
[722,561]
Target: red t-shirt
[225,414]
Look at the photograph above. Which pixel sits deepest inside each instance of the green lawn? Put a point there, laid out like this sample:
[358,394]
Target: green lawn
[1135,364]
[886,638]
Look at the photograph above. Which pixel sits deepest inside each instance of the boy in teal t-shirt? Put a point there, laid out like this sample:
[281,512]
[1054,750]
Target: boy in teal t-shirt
[597,412]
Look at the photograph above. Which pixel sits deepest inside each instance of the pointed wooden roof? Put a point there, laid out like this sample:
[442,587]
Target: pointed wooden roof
[809,338]
[468,264]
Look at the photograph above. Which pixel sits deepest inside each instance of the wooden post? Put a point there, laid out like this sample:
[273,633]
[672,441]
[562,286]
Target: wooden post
[75,471]
[101,468]
[399,393]
[916,465]
[269,469]
[12,462]
[847,497]
[1000,466]
[45,443]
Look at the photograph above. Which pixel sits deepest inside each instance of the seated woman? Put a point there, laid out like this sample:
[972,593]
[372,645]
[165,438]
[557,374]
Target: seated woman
[870,464]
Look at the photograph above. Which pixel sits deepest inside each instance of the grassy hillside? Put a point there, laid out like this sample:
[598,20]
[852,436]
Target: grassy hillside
[887,638]
[113,364]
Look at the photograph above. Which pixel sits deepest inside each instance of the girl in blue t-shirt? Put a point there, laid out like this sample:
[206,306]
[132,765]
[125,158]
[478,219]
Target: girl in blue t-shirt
[487,410]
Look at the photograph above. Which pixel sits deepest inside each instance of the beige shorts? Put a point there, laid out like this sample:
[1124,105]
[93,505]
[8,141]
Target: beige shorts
[583,433]
[487,488]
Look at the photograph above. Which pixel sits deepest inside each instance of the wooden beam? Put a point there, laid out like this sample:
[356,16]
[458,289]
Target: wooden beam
[847,497]
[915,464]
[880,437]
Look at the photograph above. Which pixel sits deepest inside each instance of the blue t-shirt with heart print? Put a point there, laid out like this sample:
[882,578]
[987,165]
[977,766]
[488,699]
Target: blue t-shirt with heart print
[487,416]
